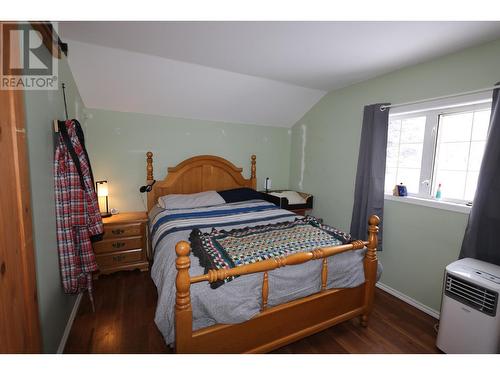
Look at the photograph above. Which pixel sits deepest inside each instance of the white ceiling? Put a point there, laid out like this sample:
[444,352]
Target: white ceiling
[124,81]
[267,73]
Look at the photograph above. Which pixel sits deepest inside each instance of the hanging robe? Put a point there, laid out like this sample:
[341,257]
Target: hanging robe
[78,218]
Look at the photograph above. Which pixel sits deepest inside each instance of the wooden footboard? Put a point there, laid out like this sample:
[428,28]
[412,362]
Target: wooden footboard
[279,325]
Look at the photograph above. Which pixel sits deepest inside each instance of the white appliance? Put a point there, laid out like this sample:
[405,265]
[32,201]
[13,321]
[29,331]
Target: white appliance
[470,317]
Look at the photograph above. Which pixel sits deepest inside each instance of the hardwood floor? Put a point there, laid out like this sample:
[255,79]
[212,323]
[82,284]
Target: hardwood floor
[125,305]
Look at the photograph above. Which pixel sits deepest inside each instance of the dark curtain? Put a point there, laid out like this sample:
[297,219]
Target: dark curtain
[481,239]
[370,175]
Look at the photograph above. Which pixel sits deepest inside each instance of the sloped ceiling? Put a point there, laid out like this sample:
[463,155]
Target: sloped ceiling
[126,81]
[264,73]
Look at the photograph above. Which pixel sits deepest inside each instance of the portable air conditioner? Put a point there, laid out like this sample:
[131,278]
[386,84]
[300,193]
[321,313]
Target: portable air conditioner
[469,320]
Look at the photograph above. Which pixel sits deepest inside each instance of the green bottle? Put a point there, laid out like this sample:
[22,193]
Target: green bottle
[438,192]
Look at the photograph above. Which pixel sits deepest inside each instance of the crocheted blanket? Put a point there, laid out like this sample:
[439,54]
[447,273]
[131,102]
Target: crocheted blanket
[222,249]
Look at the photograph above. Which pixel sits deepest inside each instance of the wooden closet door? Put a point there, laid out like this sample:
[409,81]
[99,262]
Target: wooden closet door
[19,321]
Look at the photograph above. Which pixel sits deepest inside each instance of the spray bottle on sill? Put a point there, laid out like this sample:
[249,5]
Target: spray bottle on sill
[438,192]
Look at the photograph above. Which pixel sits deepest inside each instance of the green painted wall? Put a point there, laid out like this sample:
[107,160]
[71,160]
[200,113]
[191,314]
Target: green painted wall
[42,107]
[419,241]
[118,142]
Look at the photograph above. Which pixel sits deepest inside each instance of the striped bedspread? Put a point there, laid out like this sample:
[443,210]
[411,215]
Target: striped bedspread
[230,214]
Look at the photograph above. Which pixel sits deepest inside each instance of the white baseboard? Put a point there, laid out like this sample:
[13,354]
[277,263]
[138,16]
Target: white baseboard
[69,324]
[408,300]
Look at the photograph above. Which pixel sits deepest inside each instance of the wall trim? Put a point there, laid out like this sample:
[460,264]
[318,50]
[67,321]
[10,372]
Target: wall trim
[396,293]
[69,324]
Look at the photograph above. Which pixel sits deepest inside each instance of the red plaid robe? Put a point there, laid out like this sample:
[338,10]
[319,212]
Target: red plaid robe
[77,214]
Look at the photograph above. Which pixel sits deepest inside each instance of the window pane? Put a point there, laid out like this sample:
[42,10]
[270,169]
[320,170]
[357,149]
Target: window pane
[476,155]
[410,155]
[409,177]
[452,184]
[394,132]
[392,156]
[481,124]
[455,127]
[453,156]
[404,153]
[471,185]
[460,148]
[390,179]
[413,130]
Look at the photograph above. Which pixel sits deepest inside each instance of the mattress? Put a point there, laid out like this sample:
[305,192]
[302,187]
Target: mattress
[239,300]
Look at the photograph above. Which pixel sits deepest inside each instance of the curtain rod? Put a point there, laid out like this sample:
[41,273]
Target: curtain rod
[384,107]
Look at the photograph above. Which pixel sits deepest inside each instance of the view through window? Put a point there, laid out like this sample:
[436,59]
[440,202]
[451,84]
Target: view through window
[435,147]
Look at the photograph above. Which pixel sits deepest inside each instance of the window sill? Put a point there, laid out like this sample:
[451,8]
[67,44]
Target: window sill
[442,205]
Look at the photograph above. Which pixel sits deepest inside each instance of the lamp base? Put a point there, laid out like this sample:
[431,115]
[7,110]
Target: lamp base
[105,214]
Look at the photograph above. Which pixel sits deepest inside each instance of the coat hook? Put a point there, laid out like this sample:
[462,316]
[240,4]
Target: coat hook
[64,96]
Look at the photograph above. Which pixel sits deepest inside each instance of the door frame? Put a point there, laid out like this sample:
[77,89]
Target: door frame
[19,316]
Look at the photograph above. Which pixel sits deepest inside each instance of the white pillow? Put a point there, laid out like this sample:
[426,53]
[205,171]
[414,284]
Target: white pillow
[292,196]
[179,201]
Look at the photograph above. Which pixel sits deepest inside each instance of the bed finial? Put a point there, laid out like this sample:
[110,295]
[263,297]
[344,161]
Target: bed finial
[374,220]
[254,167]
[149,166]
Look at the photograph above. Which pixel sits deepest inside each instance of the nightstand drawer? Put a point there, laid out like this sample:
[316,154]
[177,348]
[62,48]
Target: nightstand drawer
[118,244]
[119,258]
[125,243]
[122,230]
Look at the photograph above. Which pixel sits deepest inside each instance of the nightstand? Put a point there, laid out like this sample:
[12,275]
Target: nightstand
[298,209]
[125,243]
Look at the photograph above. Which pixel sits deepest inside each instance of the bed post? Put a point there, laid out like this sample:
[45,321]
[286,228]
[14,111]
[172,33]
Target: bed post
[149,167]
[370,266]
[149,178]
[253,176]
[183,312]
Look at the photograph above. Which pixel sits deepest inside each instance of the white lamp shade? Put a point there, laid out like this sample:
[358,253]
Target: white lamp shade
[102,189]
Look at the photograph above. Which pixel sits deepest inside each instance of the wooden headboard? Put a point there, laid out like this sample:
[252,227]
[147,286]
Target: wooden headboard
[197,174]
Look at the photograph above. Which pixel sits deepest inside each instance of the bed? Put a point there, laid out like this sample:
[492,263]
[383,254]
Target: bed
[269,303]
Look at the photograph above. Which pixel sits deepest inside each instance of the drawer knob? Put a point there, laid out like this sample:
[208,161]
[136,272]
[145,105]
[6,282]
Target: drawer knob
[117,245]
[117,231]
[118,258]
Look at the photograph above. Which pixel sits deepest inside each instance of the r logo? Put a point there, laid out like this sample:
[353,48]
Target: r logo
[36,68]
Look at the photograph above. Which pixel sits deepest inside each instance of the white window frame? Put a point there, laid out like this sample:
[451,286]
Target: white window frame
[432,111]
